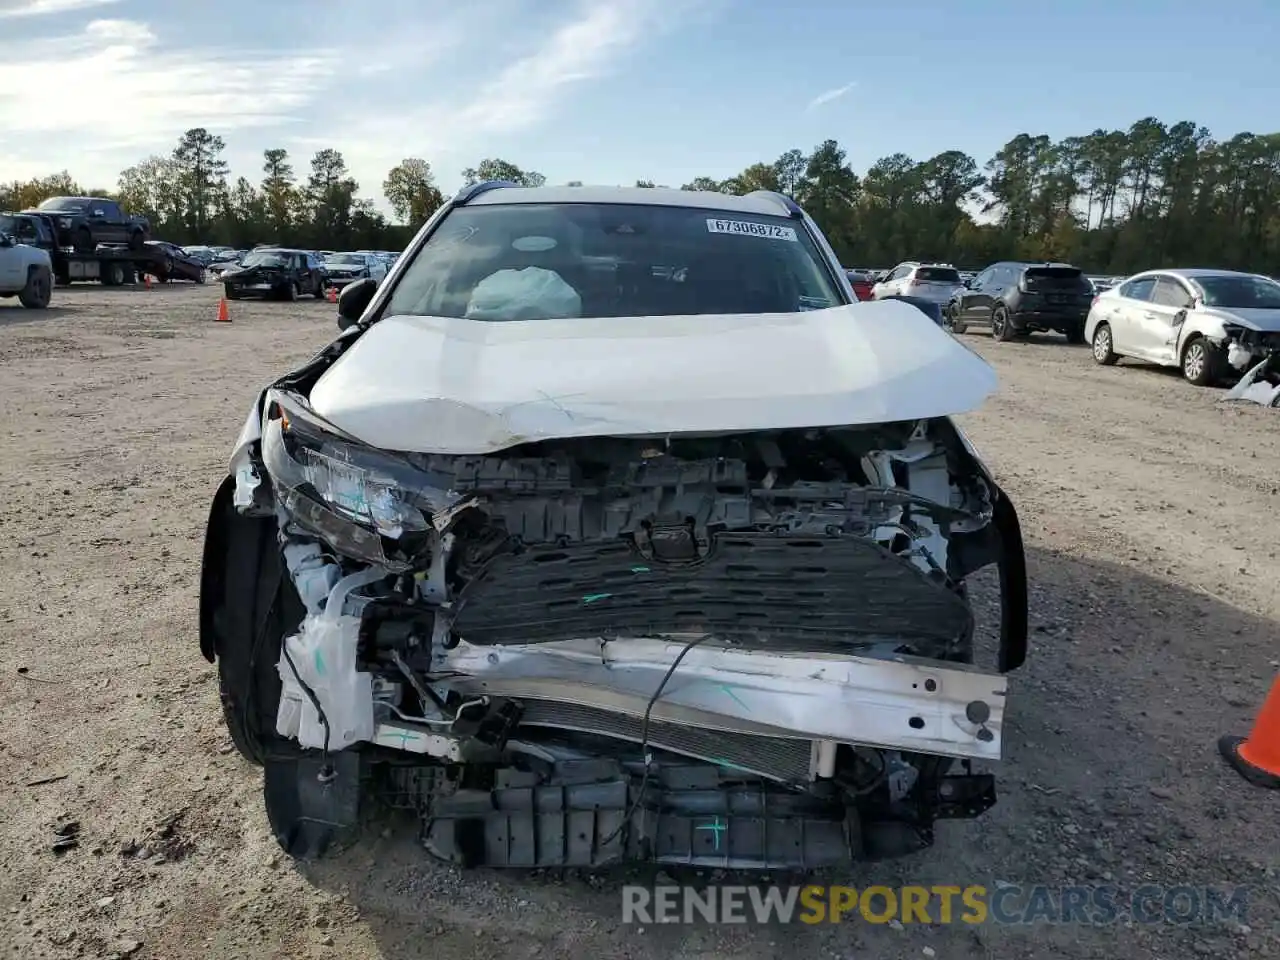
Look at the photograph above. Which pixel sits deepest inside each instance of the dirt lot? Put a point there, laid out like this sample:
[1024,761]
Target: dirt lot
[1150,513]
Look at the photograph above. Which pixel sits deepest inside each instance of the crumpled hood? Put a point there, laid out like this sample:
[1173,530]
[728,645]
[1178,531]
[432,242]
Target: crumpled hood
[455,386]
[1267,321]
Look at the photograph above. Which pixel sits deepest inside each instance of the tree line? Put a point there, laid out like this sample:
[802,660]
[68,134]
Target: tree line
[1112,201]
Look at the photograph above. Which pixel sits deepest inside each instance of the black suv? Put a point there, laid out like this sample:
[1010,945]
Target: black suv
[85,222]
[1017,298]
[276,272]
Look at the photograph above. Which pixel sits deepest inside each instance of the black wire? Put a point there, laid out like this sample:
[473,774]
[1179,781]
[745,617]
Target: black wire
[644,742]
[315,701]
[284,649]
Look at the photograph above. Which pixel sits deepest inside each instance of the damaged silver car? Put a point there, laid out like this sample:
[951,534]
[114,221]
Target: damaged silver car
[1213,324]
[612,527]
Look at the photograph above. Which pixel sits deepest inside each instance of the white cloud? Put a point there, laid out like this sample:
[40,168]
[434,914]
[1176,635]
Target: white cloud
[44,8]
[829,95]
[143,92]
[524,93]
[433,80]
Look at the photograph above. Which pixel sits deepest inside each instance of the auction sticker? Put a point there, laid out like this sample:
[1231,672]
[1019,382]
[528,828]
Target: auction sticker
[744,228]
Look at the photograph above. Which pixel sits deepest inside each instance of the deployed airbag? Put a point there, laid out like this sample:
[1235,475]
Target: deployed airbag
[528,294]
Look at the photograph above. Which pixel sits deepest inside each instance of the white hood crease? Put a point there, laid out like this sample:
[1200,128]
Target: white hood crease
[457,386]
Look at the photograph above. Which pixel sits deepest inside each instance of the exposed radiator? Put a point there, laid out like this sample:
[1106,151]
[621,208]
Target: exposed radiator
[810,593]
[773,757]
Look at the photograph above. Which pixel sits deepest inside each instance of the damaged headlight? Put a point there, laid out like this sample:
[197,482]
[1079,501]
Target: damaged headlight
[349,494]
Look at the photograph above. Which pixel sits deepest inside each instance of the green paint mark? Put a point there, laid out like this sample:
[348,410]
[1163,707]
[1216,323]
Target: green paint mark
[639,569]
[731,766]
[736,699]
[319,662]
[717,828]
[405,736]
[593,597]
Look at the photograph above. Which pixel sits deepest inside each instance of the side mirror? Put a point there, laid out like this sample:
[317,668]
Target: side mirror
[6,240]
[352,301]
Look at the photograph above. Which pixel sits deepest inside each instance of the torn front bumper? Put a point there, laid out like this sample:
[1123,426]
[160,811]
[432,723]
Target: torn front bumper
[1256,385]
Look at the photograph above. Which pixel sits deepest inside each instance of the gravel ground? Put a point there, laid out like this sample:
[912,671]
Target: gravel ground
[1150,516]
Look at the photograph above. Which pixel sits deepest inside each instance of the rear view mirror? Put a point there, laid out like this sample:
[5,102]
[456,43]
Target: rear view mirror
[352,301]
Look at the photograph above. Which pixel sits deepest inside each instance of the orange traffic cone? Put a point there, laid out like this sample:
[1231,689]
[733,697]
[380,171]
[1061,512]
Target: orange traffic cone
[224,316]
[1257,757]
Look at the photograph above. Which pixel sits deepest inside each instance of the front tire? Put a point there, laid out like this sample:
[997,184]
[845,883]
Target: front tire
[1103,352]
[38,291]
[1076,334]
[958,326]
[1202,362]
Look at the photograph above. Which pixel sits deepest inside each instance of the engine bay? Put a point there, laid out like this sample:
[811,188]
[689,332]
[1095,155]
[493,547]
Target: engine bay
[767,627]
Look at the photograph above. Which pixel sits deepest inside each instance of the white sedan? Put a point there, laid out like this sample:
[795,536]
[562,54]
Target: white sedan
[1208,322]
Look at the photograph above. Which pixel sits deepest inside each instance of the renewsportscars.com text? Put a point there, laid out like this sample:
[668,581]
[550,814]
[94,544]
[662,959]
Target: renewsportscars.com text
[973,904]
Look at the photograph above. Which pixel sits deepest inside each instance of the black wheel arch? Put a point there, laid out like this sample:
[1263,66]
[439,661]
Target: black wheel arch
[1012,571]
[247,605]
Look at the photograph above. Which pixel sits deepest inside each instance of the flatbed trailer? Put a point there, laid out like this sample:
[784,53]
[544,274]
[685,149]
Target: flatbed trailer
[112,266]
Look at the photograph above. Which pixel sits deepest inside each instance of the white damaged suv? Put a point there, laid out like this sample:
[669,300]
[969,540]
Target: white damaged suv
[613,528]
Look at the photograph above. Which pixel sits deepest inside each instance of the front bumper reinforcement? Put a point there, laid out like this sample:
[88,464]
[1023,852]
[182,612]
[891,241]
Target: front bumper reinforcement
[905,703]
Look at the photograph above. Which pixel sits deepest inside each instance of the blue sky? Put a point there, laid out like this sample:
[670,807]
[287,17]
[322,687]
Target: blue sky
[612,90]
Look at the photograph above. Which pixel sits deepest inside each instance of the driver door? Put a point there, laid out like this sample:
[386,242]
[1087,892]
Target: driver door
[1124,313]
[100,222]
[972,306]
[1162,321]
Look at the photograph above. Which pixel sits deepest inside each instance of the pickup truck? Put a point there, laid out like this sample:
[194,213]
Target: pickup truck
[26,273]
[85,222]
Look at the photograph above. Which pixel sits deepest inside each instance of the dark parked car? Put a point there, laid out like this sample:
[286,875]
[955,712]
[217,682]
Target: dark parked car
[1017,298]
[85,222]
[276,272]
[174,263]
[930,308]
